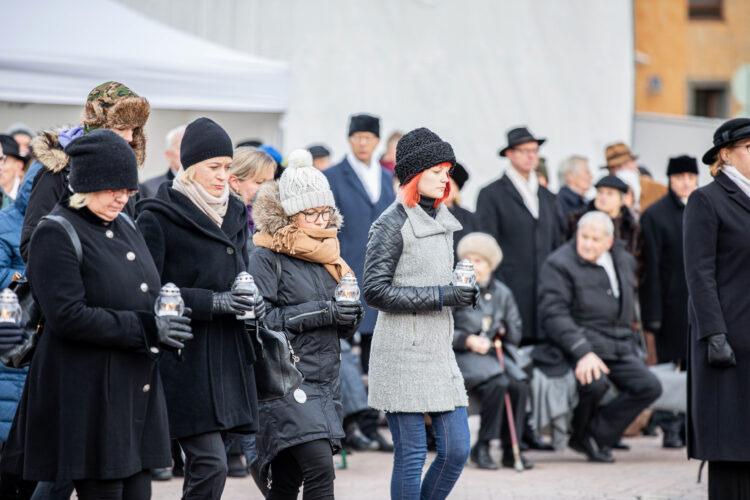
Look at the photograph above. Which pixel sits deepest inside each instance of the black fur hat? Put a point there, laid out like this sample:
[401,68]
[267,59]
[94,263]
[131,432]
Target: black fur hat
[101,160]
[682,164]
[419,150]
[364,123]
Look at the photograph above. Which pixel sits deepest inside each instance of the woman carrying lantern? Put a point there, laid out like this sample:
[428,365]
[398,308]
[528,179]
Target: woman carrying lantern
[297,269]
[408,279]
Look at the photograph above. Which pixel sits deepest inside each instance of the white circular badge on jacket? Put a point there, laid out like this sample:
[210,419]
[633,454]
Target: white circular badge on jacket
[300,396]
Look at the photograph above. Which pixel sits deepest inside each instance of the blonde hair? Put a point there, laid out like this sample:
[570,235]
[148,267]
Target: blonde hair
[251,163]
[716,167]
[79,200]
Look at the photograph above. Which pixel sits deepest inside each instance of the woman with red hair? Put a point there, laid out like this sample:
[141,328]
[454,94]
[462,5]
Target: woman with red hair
[407,278]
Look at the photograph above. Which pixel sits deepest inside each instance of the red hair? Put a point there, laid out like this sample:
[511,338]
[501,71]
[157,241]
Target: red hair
[410,196]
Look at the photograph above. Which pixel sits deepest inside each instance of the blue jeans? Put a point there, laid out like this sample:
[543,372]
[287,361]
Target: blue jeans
[247,444]
[410,451]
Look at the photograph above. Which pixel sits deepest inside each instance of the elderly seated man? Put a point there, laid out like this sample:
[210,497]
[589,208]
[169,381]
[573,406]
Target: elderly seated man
[587,309]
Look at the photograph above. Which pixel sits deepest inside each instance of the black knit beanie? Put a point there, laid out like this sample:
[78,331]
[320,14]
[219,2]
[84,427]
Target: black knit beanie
[364,123]
[204,139]
[101,160]
[419,150]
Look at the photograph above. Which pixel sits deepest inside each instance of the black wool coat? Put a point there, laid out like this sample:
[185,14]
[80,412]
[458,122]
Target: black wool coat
[663,290]
[717,264]
[299,305]
[579,310]
[93,405]
[466,218]
[525,242]
[213,387]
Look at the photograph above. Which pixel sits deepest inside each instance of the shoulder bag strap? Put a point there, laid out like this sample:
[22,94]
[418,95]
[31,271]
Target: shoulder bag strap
[128,220]
[65,223]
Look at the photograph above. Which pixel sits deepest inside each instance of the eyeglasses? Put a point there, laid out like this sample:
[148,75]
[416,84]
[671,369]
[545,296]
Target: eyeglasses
[2,159]
[746,146]
[115,193]
[527,151]
[312,217]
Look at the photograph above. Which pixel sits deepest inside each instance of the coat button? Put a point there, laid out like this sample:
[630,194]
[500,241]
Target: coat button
[146,388]
[130,256]
[155,350]
[230,250]
[109,234]
[144,287]
[487,296]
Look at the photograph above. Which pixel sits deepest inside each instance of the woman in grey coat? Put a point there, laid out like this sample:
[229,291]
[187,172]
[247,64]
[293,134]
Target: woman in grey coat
[407,278]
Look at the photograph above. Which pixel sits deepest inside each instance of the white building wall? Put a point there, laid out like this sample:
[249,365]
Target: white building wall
[467,69]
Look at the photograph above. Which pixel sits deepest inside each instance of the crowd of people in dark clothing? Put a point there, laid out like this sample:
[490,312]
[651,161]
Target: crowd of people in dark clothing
[612,308]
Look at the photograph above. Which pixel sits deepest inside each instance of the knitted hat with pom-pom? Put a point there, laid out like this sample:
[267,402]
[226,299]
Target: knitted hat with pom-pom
[303,186]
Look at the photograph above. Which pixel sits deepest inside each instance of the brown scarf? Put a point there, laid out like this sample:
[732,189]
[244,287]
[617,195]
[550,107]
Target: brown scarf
[311,245]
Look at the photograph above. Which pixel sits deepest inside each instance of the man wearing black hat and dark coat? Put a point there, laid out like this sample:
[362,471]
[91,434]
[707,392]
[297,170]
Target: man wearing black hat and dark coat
[362,189]
[459,176]
[610,193]
[522,217]
[663,291]
[717,269]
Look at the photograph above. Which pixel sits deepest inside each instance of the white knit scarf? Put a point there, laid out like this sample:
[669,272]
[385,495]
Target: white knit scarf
[527,188]
[215,207]
[742,182]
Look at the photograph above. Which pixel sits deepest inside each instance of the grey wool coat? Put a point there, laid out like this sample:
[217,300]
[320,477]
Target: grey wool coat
[412,364]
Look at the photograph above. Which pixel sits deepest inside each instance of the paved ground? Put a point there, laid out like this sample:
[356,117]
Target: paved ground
[646,472]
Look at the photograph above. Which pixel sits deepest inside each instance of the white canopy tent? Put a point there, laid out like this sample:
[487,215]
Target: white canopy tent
[74,45]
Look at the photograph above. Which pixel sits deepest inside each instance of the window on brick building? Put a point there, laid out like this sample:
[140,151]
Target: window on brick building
[704,9]
[709,99]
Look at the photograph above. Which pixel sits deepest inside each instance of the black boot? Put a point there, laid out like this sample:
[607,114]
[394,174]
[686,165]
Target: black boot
[589,447]
[355,440]
[530,439]
[480,455]
[161,474]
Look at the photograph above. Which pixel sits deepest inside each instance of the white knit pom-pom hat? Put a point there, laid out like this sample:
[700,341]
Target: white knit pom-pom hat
[303,186]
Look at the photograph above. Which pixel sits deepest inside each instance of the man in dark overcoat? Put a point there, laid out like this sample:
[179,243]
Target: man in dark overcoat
[522,217]
[362,189]
[587,304]
[663,292]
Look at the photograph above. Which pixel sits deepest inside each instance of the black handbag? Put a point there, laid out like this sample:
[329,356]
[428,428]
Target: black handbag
[32,319]
[276,373]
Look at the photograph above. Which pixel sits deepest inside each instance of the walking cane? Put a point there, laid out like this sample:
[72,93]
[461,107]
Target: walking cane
[517,464]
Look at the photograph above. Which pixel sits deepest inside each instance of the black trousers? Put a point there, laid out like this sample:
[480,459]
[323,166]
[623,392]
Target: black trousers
[729,480]
[492,423]
[637,387]
[310,464]
[136,487]
[205,466]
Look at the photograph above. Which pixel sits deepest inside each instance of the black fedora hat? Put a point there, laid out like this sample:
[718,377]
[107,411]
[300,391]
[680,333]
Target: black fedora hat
[729,132]
[517,136]
[10,147]
[682,165]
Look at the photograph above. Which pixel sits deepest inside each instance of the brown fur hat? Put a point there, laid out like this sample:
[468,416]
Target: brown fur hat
[268,214]
[112,105]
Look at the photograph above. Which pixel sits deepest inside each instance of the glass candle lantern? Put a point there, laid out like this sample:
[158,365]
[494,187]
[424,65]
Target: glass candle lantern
[244,284]
[10,309]
[347,289]
[464,274]
[169,302]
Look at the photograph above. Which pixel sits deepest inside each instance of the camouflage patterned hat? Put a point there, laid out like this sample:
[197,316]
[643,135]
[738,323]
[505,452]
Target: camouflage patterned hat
[112,105]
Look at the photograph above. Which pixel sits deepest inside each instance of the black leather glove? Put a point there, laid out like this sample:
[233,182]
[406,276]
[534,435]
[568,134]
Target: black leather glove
[460,296]
[345,313]
[174,330]
[720,353]
[231,303]
[11,334]
[260,307]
